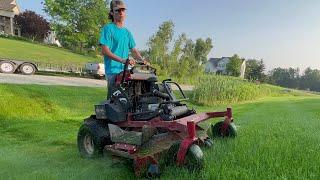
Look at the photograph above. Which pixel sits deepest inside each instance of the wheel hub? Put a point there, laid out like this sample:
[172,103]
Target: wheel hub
[27,69]
[6,67]
[88,144]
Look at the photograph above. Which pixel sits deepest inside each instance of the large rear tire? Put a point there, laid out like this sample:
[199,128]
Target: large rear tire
[231,130]
[92,138]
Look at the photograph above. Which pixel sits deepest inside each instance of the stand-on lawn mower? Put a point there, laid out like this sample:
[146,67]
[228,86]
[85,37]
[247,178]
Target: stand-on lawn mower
[144,121]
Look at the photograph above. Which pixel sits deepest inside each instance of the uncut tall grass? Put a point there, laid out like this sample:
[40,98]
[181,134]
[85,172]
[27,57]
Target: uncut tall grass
[215,89]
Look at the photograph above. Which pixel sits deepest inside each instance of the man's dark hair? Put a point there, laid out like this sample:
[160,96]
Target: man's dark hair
[110,16]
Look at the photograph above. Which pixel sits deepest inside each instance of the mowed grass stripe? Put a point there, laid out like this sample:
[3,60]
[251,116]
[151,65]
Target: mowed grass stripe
[277,140]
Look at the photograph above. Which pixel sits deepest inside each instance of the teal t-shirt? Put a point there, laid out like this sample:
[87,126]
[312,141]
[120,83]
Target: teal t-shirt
[120,41]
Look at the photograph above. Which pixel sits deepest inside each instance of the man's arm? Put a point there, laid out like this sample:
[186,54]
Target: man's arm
[106,51]
[136,54]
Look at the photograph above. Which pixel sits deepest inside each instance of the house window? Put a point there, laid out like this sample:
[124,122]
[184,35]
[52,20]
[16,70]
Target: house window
[2,19]
[16,32]
[2,28]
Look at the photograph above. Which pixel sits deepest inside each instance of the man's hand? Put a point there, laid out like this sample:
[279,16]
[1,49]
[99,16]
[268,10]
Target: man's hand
[146,62]
[132,62]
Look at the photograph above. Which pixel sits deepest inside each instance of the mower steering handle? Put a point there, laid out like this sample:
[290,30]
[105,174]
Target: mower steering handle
[125,69]
[126,65]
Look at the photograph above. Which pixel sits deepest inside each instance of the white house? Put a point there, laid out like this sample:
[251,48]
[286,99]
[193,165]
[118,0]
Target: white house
[52,39]
[8,9]
[217,65]
[243,68]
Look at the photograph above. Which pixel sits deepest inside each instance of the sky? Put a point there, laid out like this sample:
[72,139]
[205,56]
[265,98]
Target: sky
[284,33]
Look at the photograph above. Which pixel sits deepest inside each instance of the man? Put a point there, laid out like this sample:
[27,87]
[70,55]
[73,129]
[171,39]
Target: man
[116,42]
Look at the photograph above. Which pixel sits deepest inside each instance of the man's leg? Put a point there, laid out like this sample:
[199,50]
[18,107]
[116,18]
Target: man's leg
[111,84]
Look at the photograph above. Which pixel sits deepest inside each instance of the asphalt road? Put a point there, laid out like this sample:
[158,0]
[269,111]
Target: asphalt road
[50,80]
[57,80]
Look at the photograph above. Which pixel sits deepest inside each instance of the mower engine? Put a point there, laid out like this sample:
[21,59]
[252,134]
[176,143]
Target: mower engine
[137,92]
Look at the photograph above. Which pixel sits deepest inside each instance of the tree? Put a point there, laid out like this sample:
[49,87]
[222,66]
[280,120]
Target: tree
[77,22]
[181,61]
[285,77]
[32,25]
[175,56]
[202,49]
[254,70]
[310,80]
[234,65]
[159,44]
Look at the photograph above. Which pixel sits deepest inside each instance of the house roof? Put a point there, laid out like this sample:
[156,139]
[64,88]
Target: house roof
[7,5]
[214,61]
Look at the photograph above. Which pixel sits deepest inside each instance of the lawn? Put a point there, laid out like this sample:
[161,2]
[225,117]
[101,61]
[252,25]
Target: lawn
[278,138]
[21,50]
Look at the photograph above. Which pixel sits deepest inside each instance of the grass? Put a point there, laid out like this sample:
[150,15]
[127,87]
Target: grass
[278,138]
[215,89]
[21,50]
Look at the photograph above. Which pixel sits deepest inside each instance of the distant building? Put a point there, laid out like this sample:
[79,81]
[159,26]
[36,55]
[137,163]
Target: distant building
[217,65]
[52,39]
[243,69]
[8,9]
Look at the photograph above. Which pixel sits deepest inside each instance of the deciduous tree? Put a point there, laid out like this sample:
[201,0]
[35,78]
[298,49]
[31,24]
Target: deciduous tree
[285,77]
[32,25]
[77,22]
[254,70]
[234,65]
[202,49]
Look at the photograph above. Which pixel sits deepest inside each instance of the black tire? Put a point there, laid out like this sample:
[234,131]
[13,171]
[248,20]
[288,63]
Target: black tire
[194,158]
[98,76]
[92,138]
[27,69]
[217,130]
[7,67]
[171,155]
[208,142]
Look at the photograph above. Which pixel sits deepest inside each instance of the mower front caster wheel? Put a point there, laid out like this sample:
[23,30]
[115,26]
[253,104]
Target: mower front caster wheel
[217,130]
[208,142]
[194,158]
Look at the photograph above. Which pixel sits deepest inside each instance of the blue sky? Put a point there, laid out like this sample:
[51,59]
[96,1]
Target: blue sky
[284,33]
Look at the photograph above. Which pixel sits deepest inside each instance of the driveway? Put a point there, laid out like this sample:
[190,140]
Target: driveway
[56,80]
[50,80]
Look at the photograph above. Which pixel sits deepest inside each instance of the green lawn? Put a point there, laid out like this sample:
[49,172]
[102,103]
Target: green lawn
[22,50]
[278,138]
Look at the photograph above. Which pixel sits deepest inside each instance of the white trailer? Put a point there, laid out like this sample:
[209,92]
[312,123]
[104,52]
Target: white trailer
[15,66]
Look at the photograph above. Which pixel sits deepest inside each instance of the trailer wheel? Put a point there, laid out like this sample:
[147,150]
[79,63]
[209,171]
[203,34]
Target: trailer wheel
[194,158]
[231,130]
[27,69]
[92,138]
[7,67]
